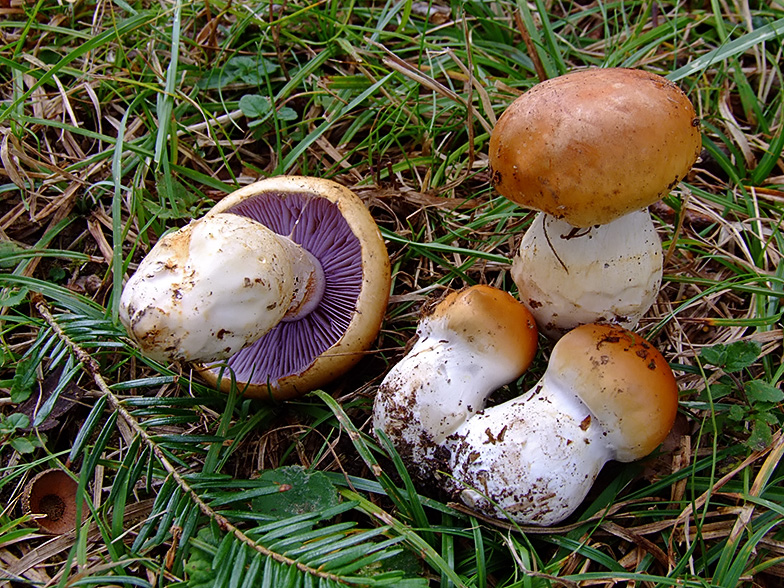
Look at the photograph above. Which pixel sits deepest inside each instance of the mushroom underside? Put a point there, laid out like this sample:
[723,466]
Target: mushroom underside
[316,224]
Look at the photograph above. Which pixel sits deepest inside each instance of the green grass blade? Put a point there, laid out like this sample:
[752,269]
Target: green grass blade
[769,32]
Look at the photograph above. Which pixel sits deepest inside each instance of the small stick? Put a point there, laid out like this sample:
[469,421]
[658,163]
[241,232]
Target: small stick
[92,367]
[529,43]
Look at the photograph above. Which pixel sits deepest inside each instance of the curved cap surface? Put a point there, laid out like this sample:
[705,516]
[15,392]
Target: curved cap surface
[623,380]
[493,323]
[593,145]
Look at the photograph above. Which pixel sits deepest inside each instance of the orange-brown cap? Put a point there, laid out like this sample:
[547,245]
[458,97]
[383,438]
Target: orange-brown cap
[493,322]
[625,382]
[593,145]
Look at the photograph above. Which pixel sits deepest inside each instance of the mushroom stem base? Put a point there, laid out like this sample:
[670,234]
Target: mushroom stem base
[533,458]
[568,276]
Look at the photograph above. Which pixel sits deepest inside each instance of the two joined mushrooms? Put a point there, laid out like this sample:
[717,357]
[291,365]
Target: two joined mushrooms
[284,281]
[606,394]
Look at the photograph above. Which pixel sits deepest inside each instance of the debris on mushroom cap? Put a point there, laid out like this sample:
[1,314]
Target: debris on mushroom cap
[593,145]
[606,394]
[208,290]
[475,341]
[52,493]
[607,273]
[331,223]
[624,381]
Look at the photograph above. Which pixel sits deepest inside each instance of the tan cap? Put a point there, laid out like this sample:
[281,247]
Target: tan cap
[493,322]
[623,380]
[593,145]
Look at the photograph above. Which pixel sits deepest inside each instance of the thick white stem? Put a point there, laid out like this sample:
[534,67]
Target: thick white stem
[216,285]
[308,279]
[433,390]
[533,458]
[569,276]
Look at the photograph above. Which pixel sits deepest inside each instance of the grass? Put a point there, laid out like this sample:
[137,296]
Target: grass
[121,120]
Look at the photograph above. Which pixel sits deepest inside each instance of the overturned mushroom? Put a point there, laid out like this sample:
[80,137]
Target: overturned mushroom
[606,394]
[474,341]
[591,150]
[287,280]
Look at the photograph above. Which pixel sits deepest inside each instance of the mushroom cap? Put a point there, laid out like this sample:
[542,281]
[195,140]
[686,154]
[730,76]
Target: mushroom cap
[52,493]
[357,272]
[493,323]
[623,380]
[593,145]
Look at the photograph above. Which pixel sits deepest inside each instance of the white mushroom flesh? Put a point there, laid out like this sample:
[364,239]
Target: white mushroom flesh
[209,289]
[531,459]
[435,388]
[570,276]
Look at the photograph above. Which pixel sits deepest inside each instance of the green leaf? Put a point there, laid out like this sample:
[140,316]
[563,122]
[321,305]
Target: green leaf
[23,445]
[760,391]
[299,491]
[286,113]
[12,297]
[737,413]
[768,416]
[255,106]
[24,379]
[8,253]
[717,390]
[760,437]
[732,357]
[199,564]
[57,274]
[15,421]
[184,202]
[250,70]
[259,108]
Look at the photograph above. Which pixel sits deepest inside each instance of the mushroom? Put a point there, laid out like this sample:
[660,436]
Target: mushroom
[51,495]
[286,280]
[591,150]
[606,394]
[473,342]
